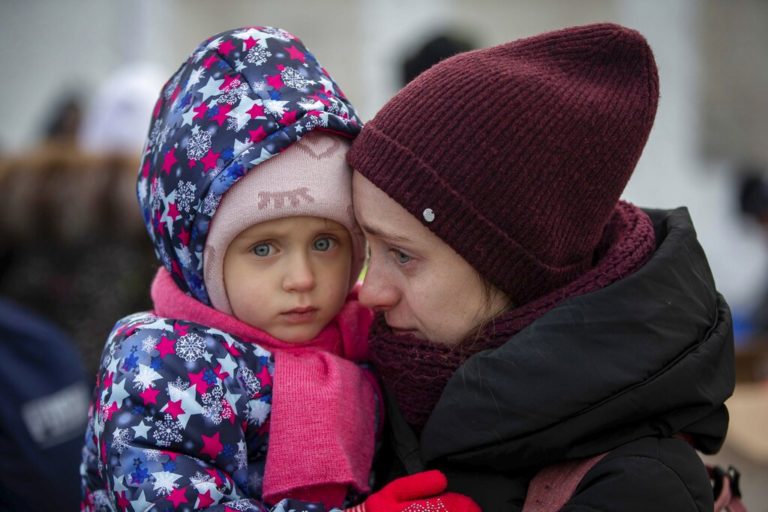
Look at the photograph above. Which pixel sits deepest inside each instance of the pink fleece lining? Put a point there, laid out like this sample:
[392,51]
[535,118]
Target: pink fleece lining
[323,404]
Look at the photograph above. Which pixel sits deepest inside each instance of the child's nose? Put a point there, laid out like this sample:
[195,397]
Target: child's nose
[300,276]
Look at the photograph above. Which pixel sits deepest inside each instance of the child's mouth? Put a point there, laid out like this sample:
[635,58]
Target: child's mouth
[300,315]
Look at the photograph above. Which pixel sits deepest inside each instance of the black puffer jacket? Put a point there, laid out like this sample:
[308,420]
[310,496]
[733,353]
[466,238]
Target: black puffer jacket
[622,369]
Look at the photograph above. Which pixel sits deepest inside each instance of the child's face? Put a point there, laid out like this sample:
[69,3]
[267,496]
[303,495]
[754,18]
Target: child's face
[290,276]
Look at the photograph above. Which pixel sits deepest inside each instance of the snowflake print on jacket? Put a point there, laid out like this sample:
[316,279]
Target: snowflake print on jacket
[153,388]
[184,411]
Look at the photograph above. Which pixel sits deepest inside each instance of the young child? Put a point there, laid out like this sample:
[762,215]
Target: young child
[241,389]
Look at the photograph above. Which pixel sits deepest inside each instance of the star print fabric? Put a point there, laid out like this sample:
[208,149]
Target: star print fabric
[242,97]
[180,420]
[177,410]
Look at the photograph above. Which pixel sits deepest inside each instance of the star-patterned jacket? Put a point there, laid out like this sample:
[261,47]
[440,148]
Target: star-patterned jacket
[182,416]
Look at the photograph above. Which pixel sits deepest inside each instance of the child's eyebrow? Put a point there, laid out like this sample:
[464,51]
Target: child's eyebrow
[331,226]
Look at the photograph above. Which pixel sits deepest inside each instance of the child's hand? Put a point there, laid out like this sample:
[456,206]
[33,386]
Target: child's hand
[419,492]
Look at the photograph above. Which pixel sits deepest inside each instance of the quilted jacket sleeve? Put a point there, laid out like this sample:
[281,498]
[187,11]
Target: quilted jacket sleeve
[179,421]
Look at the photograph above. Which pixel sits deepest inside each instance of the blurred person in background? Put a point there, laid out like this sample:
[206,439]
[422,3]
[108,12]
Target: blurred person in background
[753,201]
[438,47]
[42,414]
[116,118]
[73,248]
[72,244]
[41,371]
[65,120]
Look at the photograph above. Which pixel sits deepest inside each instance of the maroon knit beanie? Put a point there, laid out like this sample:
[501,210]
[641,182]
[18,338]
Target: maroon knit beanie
[516,155]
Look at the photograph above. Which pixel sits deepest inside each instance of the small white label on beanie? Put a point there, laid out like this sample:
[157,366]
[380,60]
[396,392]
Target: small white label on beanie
[429,215]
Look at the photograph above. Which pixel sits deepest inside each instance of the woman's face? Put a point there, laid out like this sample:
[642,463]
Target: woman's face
[423,287]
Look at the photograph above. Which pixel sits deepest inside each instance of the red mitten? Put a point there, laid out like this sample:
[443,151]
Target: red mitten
[422,492]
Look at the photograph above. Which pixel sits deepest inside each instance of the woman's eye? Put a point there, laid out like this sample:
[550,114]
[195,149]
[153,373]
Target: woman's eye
[323,244]
[262,250]
[400,256]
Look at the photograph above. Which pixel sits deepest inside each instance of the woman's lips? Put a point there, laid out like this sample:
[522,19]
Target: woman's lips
[403,332]
[300,315]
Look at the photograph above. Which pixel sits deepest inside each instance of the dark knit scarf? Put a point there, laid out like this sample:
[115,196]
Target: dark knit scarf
[416,371]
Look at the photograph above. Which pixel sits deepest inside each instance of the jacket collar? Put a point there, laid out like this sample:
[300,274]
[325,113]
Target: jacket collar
[651,354]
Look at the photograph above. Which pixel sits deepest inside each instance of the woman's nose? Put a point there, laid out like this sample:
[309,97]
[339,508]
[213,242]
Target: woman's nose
[377,292]
[300,276]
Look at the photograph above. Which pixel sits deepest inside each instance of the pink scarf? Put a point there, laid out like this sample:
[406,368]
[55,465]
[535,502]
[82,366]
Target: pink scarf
[323,404]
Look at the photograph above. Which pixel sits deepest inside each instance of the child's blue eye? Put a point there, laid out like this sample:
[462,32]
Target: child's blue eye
[323,244]
[262,250]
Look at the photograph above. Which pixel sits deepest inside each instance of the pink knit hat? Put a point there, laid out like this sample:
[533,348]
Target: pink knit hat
[310,178]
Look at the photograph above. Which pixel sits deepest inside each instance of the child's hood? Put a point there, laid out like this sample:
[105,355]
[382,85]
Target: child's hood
[242,97]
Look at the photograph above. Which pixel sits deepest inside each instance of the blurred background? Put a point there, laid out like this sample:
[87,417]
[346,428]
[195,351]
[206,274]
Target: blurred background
[80,77]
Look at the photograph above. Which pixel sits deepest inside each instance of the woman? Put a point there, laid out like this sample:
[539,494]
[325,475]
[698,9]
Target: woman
[528,316]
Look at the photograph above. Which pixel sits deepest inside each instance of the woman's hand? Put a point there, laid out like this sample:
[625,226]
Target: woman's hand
[420,492]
